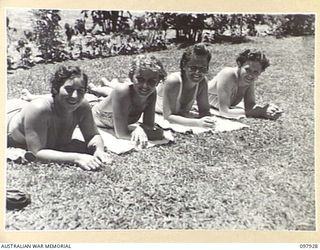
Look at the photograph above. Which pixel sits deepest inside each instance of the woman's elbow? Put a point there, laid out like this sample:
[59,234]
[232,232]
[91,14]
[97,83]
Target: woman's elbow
[227,114]
[34,150]
[224,111]
[224,114]
[122,134]
[35,155]
[168,117]
[119,135]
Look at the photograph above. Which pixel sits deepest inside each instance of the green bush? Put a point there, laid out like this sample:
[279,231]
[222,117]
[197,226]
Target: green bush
[48,35]
[291,25]
[49,42]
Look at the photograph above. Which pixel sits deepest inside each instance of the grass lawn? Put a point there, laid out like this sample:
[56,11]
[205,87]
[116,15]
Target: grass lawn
[258,178]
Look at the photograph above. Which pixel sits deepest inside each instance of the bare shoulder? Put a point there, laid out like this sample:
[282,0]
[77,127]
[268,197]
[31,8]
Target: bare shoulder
[173,81]
[121,90]
[38,110]
[41,105]
[227,74]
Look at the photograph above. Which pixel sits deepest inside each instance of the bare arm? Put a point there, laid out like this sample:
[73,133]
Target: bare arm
[88,127]
[149,111]
[226,81]
[148,119]
[250,103]
[120,108]
[202,99]
[36,124]
[36,127]
[254,110]
[36,133]
[170,95]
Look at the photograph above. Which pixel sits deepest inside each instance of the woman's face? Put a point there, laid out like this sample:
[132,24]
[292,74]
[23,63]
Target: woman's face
[250,71]
[71,94]
[196,69]
[145,81]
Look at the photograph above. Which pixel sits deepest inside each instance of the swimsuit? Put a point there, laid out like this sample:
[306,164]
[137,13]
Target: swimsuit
[102,117]
[178,107]
[106,117]
[235,91]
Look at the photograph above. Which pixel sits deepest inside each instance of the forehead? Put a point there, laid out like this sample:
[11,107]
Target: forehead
[253,65]
[146,73]
[198,60]
[75,82]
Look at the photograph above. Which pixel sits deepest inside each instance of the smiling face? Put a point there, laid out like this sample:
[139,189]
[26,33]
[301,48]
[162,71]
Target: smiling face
[71,94]
[250,71]
[145,81]
[196,68]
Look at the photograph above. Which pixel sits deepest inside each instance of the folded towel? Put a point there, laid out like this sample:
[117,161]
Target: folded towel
[221,125]
[119,146]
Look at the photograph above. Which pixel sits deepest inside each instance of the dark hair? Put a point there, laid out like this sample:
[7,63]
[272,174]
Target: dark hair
[147,62]
[63,74]
[199,49]
[253,55]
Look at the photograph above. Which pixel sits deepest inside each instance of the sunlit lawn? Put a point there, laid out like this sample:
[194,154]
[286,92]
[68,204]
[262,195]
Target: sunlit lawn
[257,178]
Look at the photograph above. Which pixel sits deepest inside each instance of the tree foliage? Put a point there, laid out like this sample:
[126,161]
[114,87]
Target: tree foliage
[119,32]
[294,25]
[48,34]
[188,27]
[108,21]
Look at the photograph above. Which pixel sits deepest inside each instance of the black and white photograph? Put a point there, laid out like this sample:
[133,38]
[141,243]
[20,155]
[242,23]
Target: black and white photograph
[151,120]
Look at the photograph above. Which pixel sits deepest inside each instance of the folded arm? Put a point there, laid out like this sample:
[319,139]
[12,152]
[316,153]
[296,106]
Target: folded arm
[36,124]
[224,87]
[170,95]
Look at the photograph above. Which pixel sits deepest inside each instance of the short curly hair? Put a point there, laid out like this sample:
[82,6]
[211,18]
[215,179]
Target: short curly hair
[253,55]
[147,62]
[64,73]
[199,49]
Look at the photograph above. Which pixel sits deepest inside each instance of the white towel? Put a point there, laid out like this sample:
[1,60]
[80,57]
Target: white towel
[119,146]
[19,155]
[221,125]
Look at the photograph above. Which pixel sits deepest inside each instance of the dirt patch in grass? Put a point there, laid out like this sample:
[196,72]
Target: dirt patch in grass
[258,178]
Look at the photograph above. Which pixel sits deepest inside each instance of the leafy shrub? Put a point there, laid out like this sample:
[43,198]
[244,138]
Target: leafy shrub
[48,35]
[102,45]
[25,53]
[229,28]
[22,54]
[294,25]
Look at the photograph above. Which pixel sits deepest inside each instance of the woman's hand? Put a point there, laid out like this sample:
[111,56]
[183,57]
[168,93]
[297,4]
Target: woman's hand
[88,162]
[102,156]
[207,122]
[153,133]
[139,137]
[272,112]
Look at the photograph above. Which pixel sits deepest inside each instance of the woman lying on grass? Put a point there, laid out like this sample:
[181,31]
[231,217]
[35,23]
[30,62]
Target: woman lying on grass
[45,125]
[181,89]
[126,102]
[231,85]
